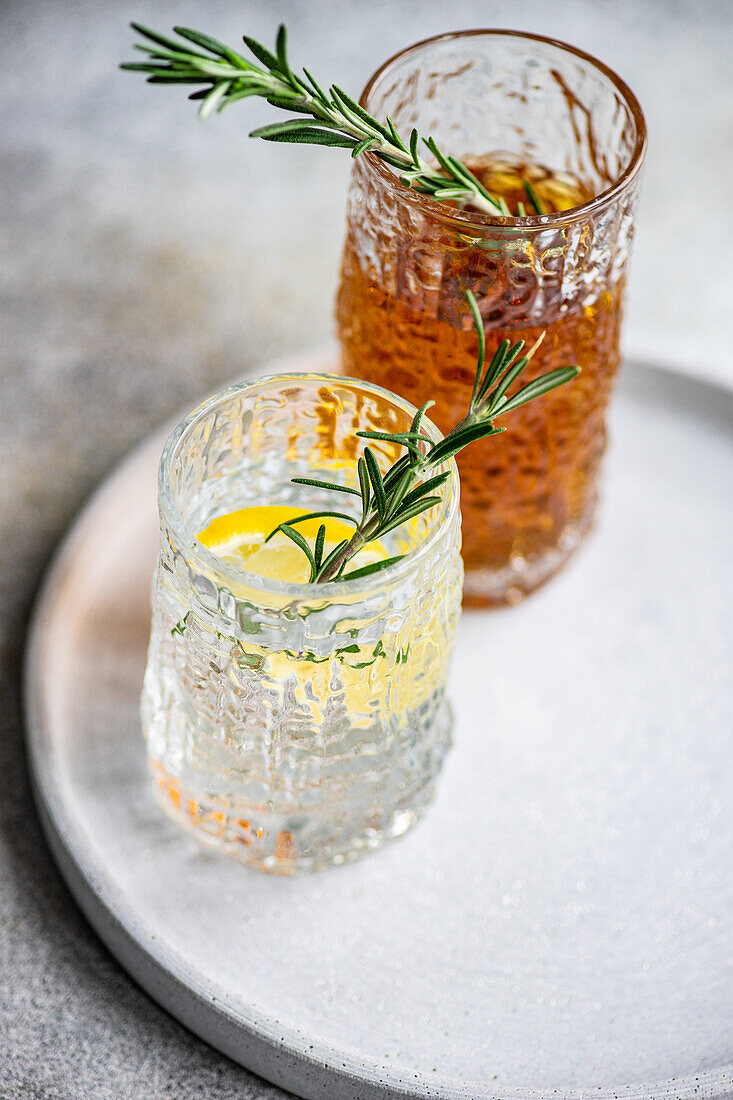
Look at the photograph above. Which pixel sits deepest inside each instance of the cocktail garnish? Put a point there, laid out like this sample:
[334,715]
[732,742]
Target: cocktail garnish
[332,118]
[410,485]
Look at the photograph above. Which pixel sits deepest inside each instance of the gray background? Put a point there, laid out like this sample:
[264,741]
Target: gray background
[146,259]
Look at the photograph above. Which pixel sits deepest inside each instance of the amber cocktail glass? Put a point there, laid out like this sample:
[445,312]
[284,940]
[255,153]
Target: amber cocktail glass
[514,106]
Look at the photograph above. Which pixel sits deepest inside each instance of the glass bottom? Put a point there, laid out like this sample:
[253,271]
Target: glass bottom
[509,584]
[288,844]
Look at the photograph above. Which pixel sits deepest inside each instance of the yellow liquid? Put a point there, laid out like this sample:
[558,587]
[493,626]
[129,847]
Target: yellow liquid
[239,538]
[403,668]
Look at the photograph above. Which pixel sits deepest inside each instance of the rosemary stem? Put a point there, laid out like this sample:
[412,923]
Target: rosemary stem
[355,543]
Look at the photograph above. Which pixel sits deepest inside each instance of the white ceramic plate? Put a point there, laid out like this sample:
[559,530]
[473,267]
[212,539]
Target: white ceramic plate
[561,924]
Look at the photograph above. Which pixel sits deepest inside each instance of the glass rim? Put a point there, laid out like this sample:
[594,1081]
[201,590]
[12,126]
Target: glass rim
[186,540]
[437,209]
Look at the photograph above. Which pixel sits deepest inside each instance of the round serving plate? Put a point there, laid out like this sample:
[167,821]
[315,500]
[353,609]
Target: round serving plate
[560,924]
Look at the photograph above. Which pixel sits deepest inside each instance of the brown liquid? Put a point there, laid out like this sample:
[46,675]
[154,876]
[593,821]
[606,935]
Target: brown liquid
[503,176]
[531,491]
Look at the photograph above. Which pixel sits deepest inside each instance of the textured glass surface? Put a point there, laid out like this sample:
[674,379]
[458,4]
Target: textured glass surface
[294,725]
[403,322]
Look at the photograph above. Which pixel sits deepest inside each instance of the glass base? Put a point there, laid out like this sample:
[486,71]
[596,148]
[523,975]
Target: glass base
[293,843]
[509,584]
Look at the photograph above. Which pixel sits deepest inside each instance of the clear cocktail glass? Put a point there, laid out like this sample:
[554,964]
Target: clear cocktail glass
[295,725]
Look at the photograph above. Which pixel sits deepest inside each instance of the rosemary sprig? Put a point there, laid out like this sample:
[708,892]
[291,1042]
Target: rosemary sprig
[331,118]
[412,483]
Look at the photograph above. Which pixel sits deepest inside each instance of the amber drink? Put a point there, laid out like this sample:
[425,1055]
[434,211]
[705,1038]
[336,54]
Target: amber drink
[518,109]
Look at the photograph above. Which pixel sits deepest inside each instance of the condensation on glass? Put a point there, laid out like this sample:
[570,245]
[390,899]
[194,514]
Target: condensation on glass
[293,726]
[529,495]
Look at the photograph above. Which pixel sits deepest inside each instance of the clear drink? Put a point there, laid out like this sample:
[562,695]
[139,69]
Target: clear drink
[294,725]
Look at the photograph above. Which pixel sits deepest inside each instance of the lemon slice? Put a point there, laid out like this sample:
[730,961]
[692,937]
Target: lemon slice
[239,539]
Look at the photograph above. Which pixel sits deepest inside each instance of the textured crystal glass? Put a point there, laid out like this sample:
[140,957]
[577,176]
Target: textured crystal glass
[295,725]
[528,496]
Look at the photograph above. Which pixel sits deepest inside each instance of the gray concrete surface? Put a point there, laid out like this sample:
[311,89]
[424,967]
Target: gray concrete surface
[145,259]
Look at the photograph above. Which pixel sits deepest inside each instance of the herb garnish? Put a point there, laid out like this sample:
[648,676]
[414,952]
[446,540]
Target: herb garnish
[411,484]
[405,490]
[332,118]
